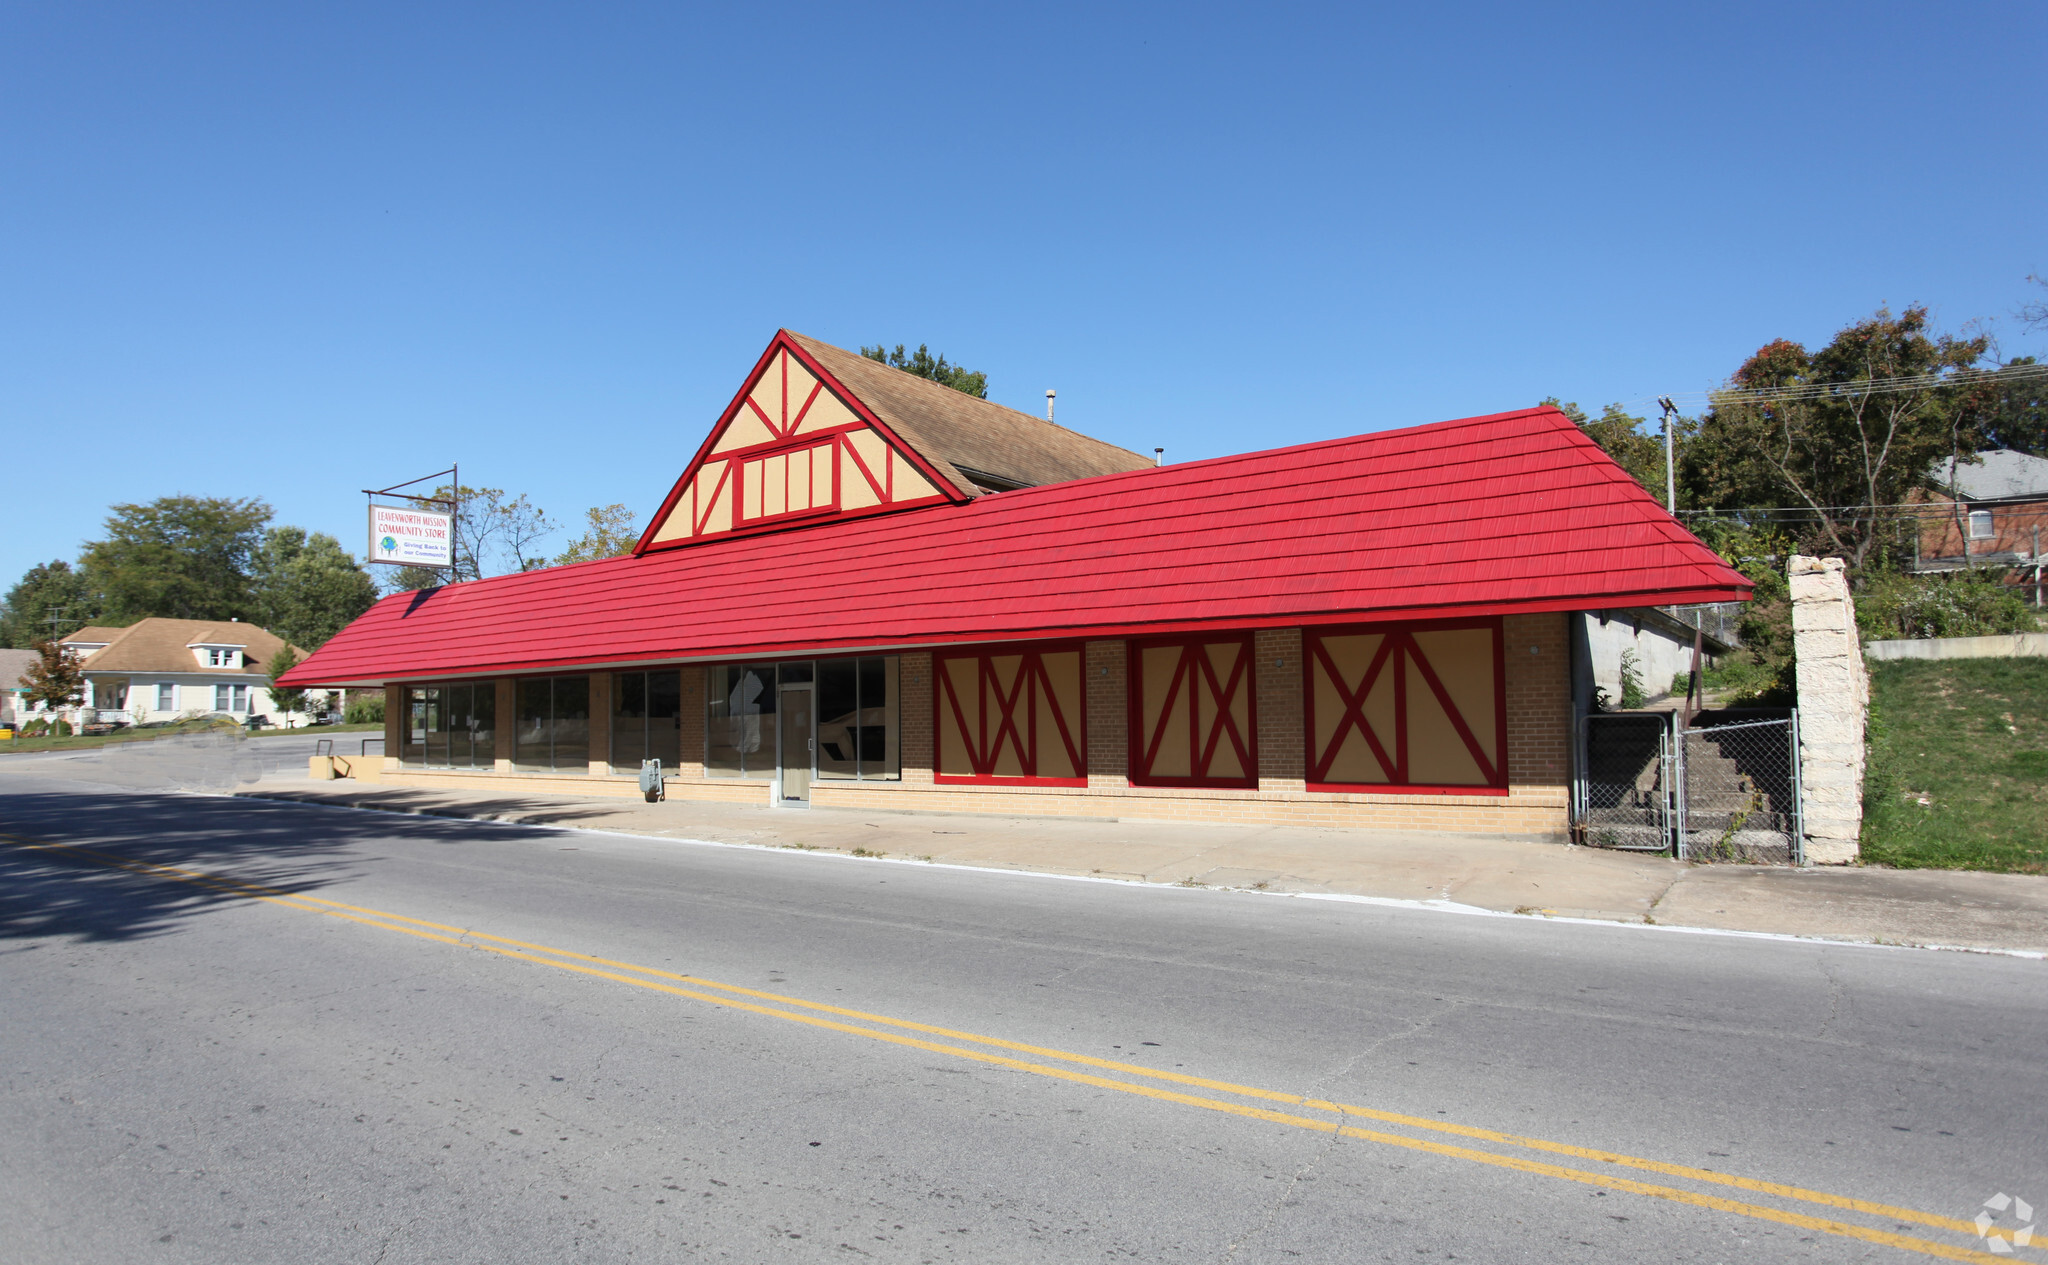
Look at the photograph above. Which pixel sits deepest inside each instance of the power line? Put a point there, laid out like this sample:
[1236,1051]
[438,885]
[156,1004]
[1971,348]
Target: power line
[1850,390]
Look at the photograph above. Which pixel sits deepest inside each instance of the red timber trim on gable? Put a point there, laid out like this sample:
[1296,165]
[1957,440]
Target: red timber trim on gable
[1391,751]
[847,463]
[1200,725]
[1036,723]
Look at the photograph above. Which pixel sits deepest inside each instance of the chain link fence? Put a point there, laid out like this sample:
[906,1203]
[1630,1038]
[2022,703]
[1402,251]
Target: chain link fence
[1622,796]
[1726,789]
[1741,800]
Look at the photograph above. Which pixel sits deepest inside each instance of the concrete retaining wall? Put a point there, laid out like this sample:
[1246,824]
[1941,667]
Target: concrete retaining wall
[2011,646]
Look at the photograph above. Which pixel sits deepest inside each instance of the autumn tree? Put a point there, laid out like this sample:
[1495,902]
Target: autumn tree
[56,678]
[925,365]
[609,531]
[1833,432]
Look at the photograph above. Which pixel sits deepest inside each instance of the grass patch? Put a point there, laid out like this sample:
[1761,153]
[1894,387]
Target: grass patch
[73,741]
[1958,775]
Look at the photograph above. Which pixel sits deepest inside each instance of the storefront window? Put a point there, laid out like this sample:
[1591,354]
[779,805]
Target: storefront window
[857,729]
[554,725]
[451,726]
[647,719]
[739,734]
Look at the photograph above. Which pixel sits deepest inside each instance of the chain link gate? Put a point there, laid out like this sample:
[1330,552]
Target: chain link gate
[1741,793]
[1622,797]
[1727,790]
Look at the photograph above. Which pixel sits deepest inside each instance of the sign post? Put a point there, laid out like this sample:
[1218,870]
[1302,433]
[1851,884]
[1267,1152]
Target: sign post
[415,535]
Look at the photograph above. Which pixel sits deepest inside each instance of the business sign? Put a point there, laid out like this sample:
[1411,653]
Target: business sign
[411,538]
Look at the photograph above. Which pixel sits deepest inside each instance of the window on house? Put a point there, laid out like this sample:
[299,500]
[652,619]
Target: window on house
[166,697]
[218,658]
[1980,525]
[231,698]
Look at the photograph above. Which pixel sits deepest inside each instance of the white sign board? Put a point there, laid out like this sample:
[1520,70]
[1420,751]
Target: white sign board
[411,538]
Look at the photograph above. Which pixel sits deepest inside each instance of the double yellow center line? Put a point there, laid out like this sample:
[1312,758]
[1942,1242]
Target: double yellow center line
[1145,1082]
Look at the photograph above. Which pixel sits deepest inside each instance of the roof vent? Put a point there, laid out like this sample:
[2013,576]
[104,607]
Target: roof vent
[1159,456]
[1049,393]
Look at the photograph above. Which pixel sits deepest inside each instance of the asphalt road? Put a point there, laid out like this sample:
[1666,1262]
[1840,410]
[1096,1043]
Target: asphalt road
[236,1030]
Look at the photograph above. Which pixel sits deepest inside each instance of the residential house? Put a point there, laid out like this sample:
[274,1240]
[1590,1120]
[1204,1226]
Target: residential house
[163,669]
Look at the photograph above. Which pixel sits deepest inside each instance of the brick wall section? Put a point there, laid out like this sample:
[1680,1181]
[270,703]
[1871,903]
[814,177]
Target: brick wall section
[394,723]
[1283,759]
[914,714]
[691,761]
[1107,667]
[1539,705]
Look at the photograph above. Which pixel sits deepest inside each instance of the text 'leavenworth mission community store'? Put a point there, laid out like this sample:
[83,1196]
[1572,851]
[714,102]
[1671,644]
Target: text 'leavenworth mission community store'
[868,590]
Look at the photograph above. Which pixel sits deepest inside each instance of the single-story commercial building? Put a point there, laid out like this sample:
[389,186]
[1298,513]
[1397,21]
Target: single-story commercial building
[870,590]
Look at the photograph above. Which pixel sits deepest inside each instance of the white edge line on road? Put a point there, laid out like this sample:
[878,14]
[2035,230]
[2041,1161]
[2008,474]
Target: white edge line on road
[1391,902]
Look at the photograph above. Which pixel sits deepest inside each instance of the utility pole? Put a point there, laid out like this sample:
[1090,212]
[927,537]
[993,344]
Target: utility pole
[1670,457]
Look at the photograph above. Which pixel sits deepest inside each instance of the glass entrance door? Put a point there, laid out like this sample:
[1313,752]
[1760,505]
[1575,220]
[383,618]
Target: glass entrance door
[793,771]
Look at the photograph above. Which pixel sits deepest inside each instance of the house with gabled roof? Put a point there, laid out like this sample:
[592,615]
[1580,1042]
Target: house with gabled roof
[160,669]
[868,590]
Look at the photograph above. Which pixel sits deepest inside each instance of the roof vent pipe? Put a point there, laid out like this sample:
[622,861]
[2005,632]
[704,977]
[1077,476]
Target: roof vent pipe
[1049,393]
[1159,456]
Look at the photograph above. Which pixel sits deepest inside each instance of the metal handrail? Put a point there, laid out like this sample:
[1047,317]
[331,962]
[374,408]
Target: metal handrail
[365,751]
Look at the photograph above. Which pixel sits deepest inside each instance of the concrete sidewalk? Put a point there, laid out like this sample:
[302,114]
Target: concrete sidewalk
[1909,907]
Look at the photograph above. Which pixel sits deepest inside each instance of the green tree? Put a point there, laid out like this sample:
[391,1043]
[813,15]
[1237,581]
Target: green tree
[2012,407]
[52,600]
[284,698]
[185,557]
[1800,428]
[1622,436]
[609,531]
[56,678]
[925,365]
[306,587]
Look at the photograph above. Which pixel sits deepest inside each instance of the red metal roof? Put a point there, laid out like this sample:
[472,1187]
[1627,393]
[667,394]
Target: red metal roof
[1513,512]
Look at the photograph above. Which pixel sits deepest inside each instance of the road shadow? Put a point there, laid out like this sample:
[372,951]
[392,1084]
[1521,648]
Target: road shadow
[284,848]
[503,809]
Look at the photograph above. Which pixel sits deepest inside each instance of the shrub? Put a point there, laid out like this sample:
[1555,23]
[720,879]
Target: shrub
[1951,604]
[61,728]
[35,728]
[365,709]
[1631,682]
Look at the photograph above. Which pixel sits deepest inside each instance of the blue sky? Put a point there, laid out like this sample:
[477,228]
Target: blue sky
[292,251]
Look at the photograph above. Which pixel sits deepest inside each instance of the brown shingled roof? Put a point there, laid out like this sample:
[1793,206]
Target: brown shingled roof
[93,634]
[964,436]
[164,645]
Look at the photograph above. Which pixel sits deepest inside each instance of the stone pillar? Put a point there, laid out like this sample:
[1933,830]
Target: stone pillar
[1834,698]
[1283,742]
